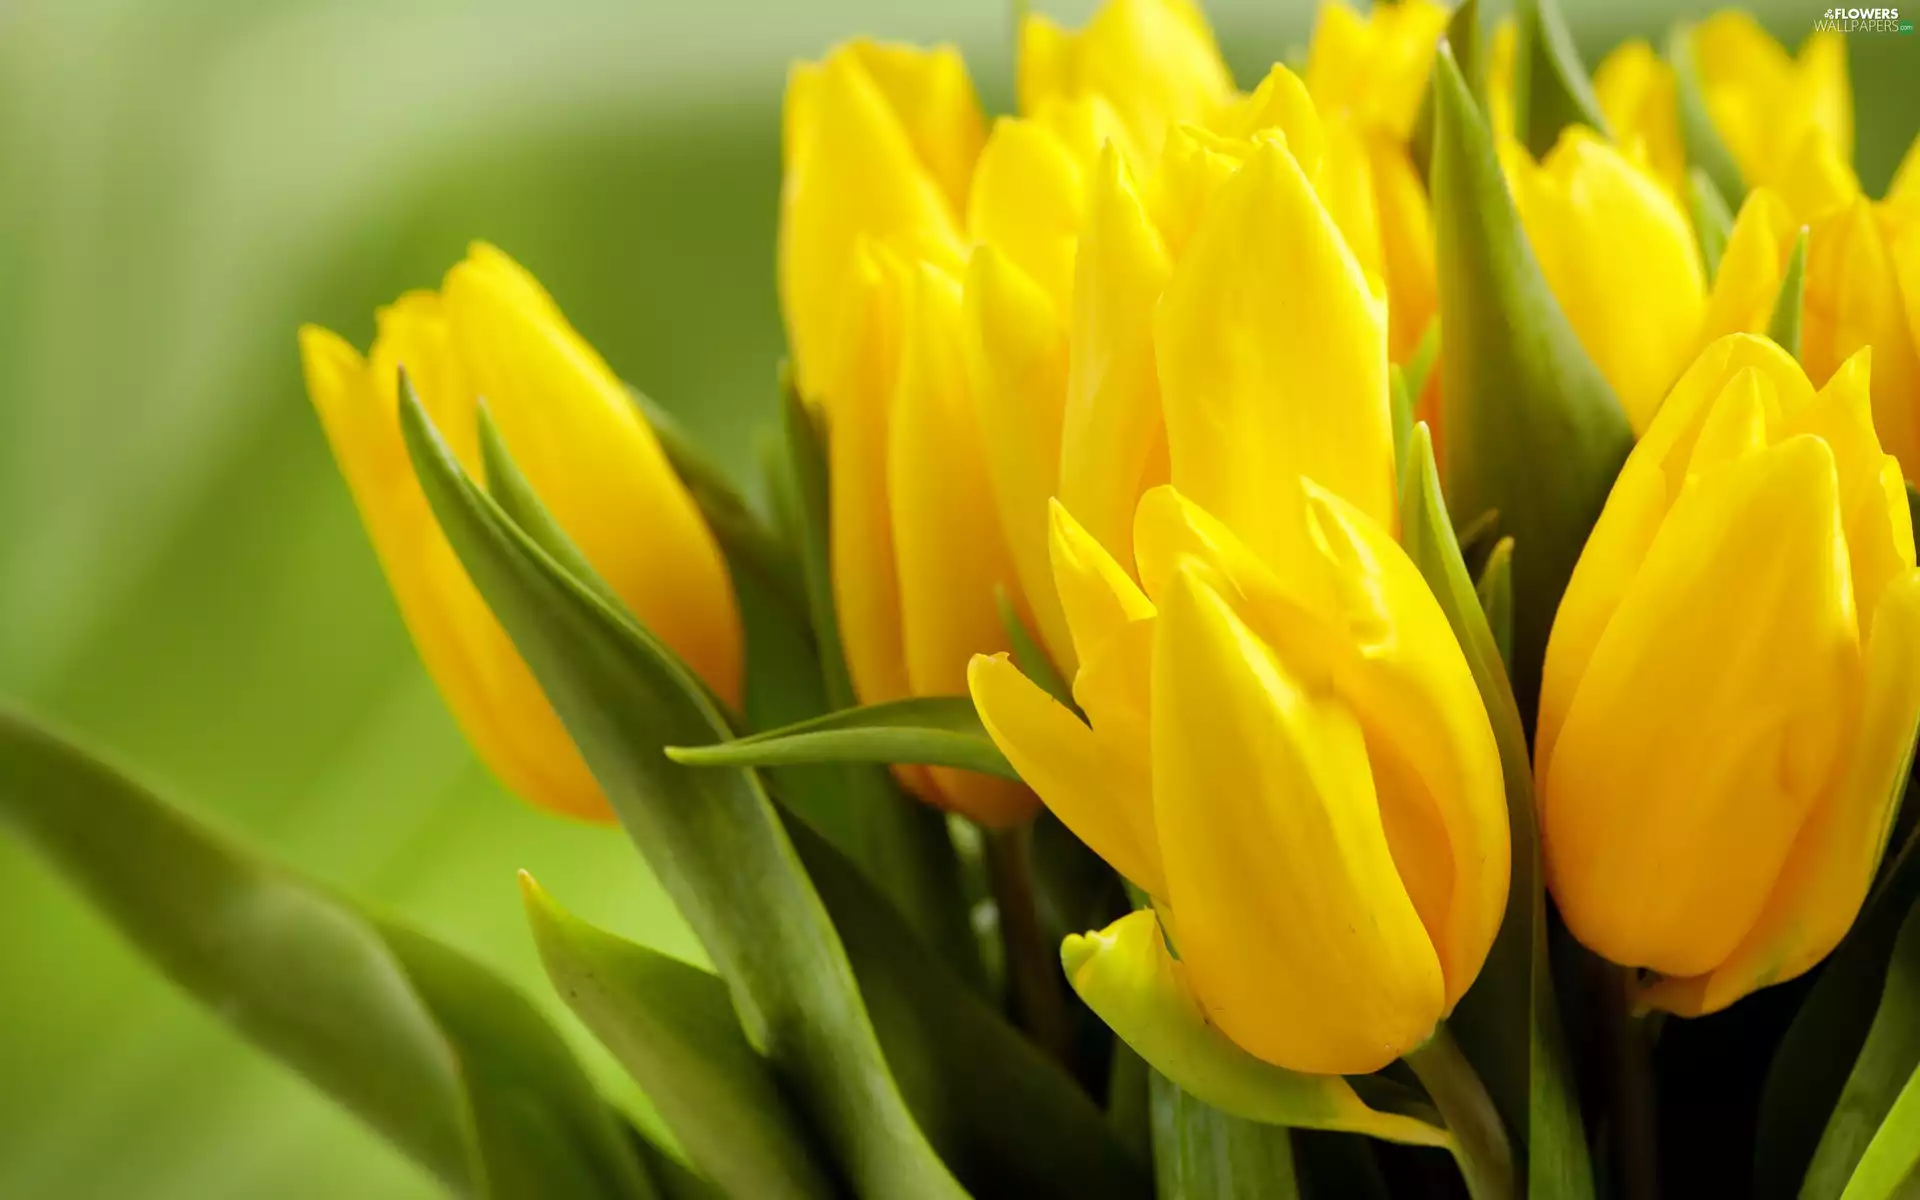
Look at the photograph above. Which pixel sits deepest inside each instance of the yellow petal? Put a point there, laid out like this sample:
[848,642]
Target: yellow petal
[1621,259]
[853,173]
[932,97]
[1154,61]
[1272,357]
[1112,421]
[1853,299]
[1707,720]
[479,673]
[1904,191]
[1406,249]
[1375,67]
[1106,805]
[1017,357]
[1296,932]
[948,547]
[1280,104]
[1748,281]
[576,434]
[1638,94]
[1028,202]
[1825,878]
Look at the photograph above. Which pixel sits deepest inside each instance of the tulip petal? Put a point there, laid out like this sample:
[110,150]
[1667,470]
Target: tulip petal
[933,99]
[1106,805]
[1750,267]
[1825,878]
[949,550]
[1125,975]
[1374,67]
[595,463]
[1098,597]
[480,674]
[1854,300]
[1296,931]
[1702,733]
[1406,249]
[1027,204]
[1017,356]
[1112,420]
[1272,360]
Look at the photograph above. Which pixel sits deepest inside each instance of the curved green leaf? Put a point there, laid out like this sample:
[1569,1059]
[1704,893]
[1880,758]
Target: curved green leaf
[672,1026]
[1784,326]
[1705,151]
[711,837]
[429,1048]
[1550,86]
[1712,219]
[1532,429]
[939,731]
[1890,1168]
[1495,590]
[1528,1077]
[1401,401]
[1873,1120]
[1201,1153]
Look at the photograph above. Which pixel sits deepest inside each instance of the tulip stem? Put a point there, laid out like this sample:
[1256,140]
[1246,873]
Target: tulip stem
[1033,968]
[1479,1139]
[1626,1043]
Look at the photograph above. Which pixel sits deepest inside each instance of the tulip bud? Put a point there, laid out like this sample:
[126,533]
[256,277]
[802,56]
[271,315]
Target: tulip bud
[1621,259]
[1291,757]
[1730,688]
[1636,90]
[492,332]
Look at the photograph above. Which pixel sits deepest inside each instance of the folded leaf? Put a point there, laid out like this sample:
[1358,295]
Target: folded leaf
[1532,430]
[939,731]
[672,1026]
[1199,1151]
[432,1050]
[711,837]
[1528,1077]
[1550,87]
[1873,1133]
[1705,151]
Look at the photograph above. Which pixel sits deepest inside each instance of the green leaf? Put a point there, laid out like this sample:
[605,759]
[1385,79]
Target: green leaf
[939,731]
[1528,1077]
[1008,1119]
[1201,1153]
[900,842]
[711,837]
[1532,429]
[1550,86]
[1027,654]
[1468,42]
[1712,219]
[1420,366]
[429,1048]
[1873,1132]
[1495,590]
[1125,974]
[1402,413]
[1784,326]
[672,1026]
[1705,151]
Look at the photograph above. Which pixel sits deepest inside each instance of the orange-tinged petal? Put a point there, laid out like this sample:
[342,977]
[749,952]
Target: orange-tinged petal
[948,547]
[485,682]
[1112,421]
[1272,361]
[1709,717]
[1295,929]
[1834,857]
[581,442]
[1017,358]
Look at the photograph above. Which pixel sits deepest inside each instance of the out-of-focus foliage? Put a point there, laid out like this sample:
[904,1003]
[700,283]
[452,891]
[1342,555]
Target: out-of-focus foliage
[182,576]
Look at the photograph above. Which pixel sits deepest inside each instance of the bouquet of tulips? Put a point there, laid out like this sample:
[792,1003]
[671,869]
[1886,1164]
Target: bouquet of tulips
[1354,638]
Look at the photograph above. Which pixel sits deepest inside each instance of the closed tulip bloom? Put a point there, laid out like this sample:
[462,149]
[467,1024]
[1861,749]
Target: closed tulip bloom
[491,332]
[1731,686]
[1638,93]
[1786,120]
[1290,756]
[1621,259]
[1862,288]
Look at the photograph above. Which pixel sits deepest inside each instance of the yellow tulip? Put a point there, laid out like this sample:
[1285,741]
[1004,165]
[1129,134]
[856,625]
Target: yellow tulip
[492,332]
[1621,259]
[1862,286]
[1730,689]
[1787,121]
[1638,94]
[1288,753]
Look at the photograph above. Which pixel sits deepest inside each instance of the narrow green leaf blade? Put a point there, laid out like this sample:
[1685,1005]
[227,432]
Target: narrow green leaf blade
[1550,86]
[1706,152]
[1201,1153]
[431,1050]
[939,731]
[672,1026]
[1495,590]
[1784,326]
[1712,219]
[711,836]
[1532,429]
[1890,1168]
[1401,401]
[1872,1113]
[1528,1077]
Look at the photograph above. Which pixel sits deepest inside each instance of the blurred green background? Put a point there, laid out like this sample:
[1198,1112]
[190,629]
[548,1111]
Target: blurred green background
[182,577]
